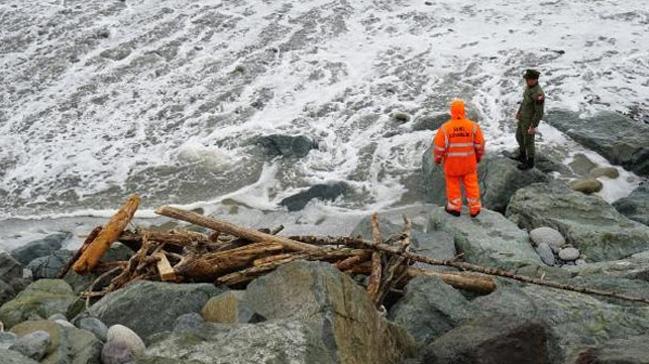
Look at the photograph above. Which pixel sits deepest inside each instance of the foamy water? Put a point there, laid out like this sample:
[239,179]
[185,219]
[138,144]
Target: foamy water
[102,99]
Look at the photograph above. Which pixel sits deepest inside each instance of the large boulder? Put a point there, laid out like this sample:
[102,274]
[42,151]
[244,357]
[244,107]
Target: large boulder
[430,308]
[151,307]
[576,320]
[49,266]
[490,239]
[494,339]
[40,248]
[42,298]
[499,178]
[636,205]
[626,144]
[13,357]
[67,345]
[335,307]
[587,222]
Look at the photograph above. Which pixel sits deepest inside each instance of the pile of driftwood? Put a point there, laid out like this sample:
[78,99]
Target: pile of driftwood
[233,255]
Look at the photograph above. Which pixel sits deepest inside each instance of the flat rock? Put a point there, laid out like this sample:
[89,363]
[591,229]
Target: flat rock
[499,339]
[490,239]
[430,308]
[429,122]
[40,248]
[588,223]
[627,144]
[323,192]
[569,254]
[286,145]
[42,298]
[499,178]
[549,236]
[587,185]
[136,305]
[581,164]
[636,205]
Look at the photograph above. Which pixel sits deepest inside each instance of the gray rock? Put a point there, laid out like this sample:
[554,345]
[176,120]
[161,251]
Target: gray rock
[33,345]
[79,283]
[580,262]
[42,298]
[94,325]
[228,308]
[581,164]
[490,239]
[636,205]
[430,243]
[610,172]
[10,268]
[7,292]
[12,357]
[400,116]
[135,305]
[632,350]
[499,339]
[324,192]
[587,185]
[499,178]
[429,122]
[40,248]
[569,254]
[116,353]
[587,222]
[430,308]
[49,266]
[119,334]
[627,144]
[574,319]
[190,321]
[545,252]
[335,307]
[7,339]
[57,316]
[549,236]
[288,146]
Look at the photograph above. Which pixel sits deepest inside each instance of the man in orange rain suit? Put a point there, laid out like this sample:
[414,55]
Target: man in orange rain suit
[459,146]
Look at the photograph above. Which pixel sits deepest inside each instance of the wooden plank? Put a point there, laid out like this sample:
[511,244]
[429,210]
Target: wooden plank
[166,271]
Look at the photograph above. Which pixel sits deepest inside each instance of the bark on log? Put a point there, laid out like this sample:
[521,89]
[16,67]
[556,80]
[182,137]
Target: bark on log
[228,228]
[110,233]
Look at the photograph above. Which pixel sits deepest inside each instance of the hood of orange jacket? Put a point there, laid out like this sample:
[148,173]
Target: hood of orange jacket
[457,109]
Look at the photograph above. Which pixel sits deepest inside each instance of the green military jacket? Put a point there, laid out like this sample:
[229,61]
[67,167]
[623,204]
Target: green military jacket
[531,109]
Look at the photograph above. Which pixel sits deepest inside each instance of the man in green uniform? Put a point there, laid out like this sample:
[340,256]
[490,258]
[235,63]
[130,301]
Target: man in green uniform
[529,116]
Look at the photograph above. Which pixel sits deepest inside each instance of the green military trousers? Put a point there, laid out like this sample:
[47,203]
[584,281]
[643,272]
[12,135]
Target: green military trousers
[525,140]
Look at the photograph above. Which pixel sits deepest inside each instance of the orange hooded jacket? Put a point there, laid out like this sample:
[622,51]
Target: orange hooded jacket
[459,143]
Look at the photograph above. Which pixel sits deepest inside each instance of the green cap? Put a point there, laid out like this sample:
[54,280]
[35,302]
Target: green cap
[531,74]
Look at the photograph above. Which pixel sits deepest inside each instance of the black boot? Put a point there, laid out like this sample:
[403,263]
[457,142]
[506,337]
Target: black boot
[528,164]
[452,212]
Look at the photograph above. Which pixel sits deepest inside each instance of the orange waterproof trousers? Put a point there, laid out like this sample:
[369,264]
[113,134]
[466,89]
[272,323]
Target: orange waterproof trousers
[454,192]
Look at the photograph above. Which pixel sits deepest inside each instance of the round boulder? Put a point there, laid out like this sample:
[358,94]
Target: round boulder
[549,236]
[569,254]
[610,172]
[119,334]
[546,254]
[587,185]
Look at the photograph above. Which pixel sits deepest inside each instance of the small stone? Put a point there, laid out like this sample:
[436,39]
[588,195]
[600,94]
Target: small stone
[610,172]
[122,334]
[549,236]
[116,353]
[95,326]
[57,316]
[569,254]
[546,254]
[587,185]
[580,261]
[33,345]
[65,323]
[400,116]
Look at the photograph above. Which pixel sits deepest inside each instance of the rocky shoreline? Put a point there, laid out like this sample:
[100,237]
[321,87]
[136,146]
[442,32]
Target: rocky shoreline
[537,225]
